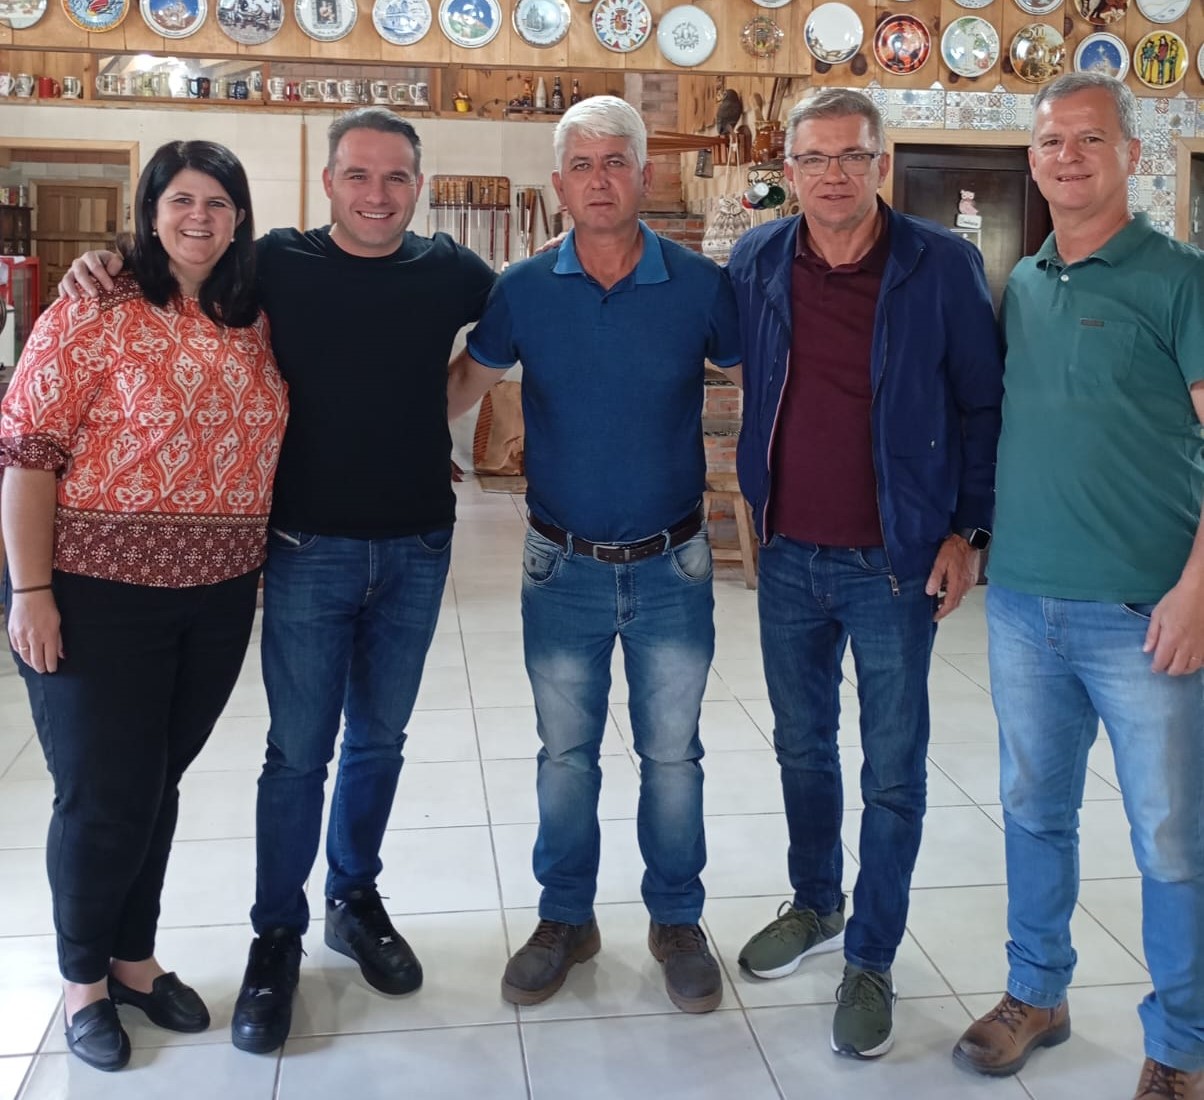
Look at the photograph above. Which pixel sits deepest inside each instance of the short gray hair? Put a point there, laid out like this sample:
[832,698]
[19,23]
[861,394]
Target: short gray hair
[835,103]
[380,119]
[1072,83]
[602,116]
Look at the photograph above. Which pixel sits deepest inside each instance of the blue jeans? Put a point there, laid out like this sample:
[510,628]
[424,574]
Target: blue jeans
[661,609]
[346,627]
[1057,668]
[813,600]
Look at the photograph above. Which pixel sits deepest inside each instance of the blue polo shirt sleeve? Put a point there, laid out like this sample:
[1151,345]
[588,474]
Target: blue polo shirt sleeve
[492,342]
[723,333]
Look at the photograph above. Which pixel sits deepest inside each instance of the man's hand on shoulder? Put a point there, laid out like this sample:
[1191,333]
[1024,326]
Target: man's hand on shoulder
[91,274]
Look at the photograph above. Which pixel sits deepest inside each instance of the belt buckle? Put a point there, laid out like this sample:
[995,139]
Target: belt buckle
[609,548]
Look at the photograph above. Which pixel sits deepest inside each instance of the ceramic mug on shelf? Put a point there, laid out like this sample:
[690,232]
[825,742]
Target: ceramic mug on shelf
[24,85]
[277,87]
[49,88]
[239,89]
[330,91]
[73,87]
[420,93]
[221,87]
[199,87]
[310,91]
[399,94]
[255,82]
[348,92]
[7,83]
[379,90]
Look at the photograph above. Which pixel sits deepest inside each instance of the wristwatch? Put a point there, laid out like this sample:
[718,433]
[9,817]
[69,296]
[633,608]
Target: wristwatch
[978,537]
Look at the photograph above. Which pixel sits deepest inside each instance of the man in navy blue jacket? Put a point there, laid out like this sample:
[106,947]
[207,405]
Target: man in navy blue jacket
[873,383]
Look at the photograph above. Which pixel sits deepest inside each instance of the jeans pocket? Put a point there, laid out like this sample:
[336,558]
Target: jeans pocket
[872,559]
[692,559]
[291,540]
[436,542]
[541,559]
[1142,611]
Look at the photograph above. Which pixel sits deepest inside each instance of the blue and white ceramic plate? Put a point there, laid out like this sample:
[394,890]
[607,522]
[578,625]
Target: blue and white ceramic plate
[470,23]
[174,18]
[1102,53]
[96,16]
[402,22]
[542,23]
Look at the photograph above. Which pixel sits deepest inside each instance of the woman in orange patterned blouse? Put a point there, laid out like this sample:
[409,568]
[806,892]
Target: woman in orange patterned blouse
[140,436]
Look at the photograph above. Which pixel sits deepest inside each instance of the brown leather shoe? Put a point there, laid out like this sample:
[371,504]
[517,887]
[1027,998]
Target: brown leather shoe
[1159,1082]
[1000,1043]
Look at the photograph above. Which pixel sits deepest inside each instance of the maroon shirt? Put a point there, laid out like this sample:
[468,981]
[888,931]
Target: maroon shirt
[824,488]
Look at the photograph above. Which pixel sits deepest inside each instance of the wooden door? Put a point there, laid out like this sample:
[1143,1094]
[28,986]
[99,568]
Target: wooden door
[73,218]
[929,179]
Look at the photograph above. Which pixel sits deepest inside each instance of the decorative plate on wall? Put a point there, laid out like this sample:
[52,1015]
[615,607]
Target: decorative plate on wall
[250,22]
[761,36]
[973,4]
[1038,7]
[970,46]
[470,23]
[1037,53]
[902,44]
[686,35]
[326,20]
[20,14]
[174,18]
[1200,62]
[542,22]
[1163,11]
[1101,13]
[833,33]
[1102,53]
[402,22]
[771,3]
[96,16]
[1160,59]
[622,25]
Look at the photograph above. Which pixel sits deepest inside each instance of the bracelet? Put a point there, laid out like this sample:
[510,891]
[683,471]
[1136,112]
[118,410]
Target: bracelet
[32,588]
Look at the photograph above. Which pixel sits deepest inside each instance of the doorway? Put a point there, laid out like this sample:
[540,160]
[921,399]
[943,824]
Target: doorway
[73,217]
[929,179]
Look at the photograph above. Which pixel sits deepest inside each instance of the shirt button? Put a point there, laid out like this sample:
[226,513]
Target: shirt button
[1065,278]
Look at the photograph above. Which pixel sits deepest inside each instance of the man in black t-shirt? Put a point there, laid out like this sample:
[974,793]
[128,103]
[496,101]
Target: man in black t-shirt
[363,316]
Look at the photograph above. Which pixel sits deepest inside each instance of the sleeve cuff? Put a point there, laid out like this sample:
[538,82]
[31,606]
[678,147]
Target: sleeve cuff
[487,360]
[33,452]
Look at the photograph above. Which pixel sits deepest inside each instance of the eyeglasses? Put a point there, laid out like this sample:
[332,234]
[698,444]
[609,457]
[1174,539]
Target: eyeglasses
[816,164]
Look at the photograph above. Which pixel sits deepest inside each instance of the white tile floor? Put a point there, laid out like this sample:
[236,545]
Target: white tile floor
[457,874]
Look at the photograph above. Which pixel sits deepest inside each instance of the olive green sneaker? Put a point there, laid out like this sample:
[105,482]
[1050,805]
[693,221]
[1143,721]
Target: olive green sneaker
[865,1001]
[779,947]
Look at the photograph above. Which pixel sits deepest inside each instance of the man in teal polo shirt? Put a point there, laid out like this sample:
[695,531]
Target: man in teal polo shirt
[1096,605]
[613,329]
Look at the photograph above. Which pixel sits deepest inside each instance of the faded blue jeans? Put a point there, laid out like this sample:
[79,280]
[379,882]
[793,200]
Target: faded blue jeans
[346,627]
[813,601]
[661,610]
[1057,668]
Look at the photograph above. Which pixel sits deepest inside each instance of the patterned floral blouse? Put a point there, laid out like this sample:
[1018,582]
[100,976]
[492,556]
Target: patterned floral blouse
[164,429]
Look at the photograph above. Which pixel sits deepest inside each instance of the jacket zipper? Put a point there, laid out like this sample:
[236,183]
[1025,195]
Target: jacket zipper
[894,581]
[773,431]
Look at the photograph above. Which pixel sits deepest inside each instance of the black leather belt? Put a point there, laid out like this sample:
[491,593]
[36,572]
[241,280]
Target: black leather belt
[616,553]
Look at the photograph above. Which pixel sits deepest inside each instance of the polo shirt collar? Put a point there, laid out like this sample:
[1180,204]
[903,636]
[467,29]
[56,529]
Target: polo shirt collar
[650,269]
[874,261]
[1112,252]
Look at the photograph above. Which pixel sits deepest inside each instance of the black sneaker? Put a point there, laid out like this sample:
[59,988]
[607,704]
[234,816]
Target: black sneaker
[263,1012]
[358,926]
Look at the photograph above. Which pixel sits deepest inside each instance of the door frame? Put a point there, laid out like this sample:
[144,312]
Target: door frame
[1184,148]
[131,149]
[922,136]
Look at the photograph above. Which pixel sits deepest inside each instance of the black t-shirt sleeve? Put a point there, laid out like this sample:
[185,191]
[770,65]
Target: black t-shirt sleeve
[477,278]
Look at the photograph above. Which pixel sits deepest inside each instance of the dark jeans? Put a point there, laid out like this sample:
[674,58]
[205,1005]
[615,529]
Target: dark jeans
[346,627]
[147,671]
[813,601]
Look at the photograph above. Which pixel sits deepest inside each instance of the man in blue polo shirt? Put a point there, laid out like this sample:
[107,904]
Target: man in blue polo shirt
[612,329]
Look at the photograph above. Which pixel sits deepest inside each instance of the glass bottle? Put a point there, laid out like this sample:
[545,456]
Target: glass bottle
[557,95]
[541,95]
[576,96]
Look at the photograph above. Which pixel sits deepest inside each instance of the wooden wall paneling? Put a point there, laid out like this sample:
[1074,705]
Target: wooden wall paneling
[134,35]
[929,13]
[524,55]
[584,49]
[288,42]
[210,39]
[55,30]
[1011,19]
[951,11]
[1193,85]
[362,44]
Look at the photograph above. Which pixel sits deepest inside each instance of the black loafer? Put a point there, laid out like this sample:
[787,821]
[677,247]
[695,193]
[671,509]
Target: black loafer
[170,1004]
[95,1036]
